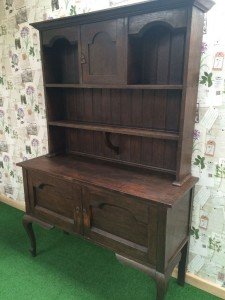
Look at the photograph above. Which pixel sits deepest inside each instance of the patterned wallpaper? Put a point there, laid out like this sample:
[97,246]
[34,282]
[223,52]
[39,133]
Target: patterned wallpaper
[23,132]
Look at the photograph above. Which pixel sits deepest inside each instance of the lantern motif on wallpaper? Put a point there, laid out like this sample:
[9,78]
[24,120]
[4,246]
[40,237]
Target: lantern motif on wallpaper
[8,189]
[210,148]
[32,129]
[218,61]
[3,146]
[3,71]
[35,39]
[204,220]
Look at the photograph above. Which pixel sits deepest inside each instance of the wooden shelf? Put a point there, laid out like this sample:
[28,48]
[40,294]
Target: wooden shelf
[117,129]
[116,86]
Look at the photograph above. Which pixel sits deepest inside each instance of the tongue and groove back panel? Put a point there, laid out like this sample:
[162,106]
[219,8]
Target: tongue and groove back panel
[158,110]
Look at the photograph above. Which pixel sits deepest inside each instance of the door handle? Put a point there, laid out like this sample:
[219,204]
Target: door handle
[87,218]
[42,185]
[82,59]
[77,218]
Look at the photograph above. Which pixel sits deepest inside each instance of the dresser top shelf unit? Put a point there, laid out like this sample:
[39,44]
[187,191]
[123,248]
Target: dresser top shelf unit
[121,84]
[139,184]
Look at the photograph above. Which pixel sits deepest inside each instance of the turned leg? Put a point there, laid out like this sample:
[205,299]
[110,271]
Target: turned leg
[27,223]
[162,285]
[182,267]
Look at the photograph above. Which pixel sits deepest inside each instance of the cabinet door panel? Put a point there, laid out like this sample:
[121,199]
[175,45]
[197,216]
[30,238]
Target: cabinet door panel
[55,200]
[103,47]
[116,221]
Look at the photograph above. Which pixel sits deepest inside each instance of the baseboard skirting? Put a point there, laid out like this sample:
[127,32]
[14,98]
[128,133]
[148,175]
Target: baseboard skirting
[191,279]
[203,284]
[17,204]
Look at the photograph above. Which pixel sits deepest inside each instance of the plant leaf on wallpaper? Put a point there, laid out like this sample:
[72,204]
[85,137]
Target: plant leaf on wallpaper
[23,133]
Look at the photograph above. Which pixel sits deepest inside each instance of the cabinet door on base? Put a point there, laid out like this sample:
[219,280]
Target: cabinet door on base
[116,221]
[55,200]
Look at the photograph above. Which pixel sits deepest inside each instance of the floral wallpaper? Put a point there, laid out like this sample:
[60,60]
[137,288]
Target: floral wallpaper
[207,251]
[23,133]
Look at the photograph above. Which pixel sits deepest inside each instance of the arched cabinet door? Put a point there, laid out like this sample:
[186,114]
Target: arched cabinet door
[55,200]
[103,52]
[120,222]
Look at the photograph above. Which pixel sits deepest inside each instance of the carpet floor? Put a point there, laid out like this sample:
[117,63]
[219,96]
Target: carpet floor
[69,268]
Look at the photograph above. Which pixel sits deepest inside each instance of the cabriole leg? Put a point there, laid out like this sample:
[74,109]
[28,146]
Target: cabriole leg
[27,223]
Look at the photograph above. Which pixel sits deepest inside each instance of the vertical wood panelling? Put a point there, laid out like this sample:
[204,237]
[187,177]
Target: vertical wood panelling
[88,104]
[170,152]
[125,97]
[148,105]
[173,110]
[149,58]
[146,151]
[62,60]
[163,56]
[135,149]
[157,56]
[125,148]
[70,97]
[115,106]
[159,111]
[158,153]
[97,105]
[55,106]
[177,58]
[136,108]
[98,143]
[106,113]
[80,104]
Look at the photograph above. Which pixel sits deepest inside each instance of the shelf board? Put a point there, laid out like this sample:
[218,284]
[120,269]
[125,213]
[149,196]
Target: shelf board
[116,86]
[117,129]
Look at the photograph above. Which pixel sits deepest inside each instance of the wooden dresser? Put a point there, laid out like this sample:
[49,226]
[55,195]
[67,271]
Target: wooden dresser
[121,87]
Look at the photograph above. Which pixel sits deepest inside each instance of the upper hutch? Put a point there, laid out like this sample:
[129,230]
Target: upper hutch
[130,73]
[121,87]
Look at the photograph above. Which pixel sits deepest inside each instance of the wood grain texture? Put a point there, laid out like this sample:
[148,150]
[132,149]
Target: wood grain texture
[139,184]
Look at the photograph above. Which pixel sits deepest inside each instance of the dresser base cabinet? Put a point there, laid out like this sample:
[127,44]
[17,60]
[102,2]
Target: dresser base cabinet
[149,234]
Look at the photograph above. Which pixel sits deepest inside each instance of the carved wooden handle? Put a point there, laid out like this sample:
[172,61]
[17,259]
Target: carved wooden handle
[77,218]
[82,59]
[42,185]
[87,218]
